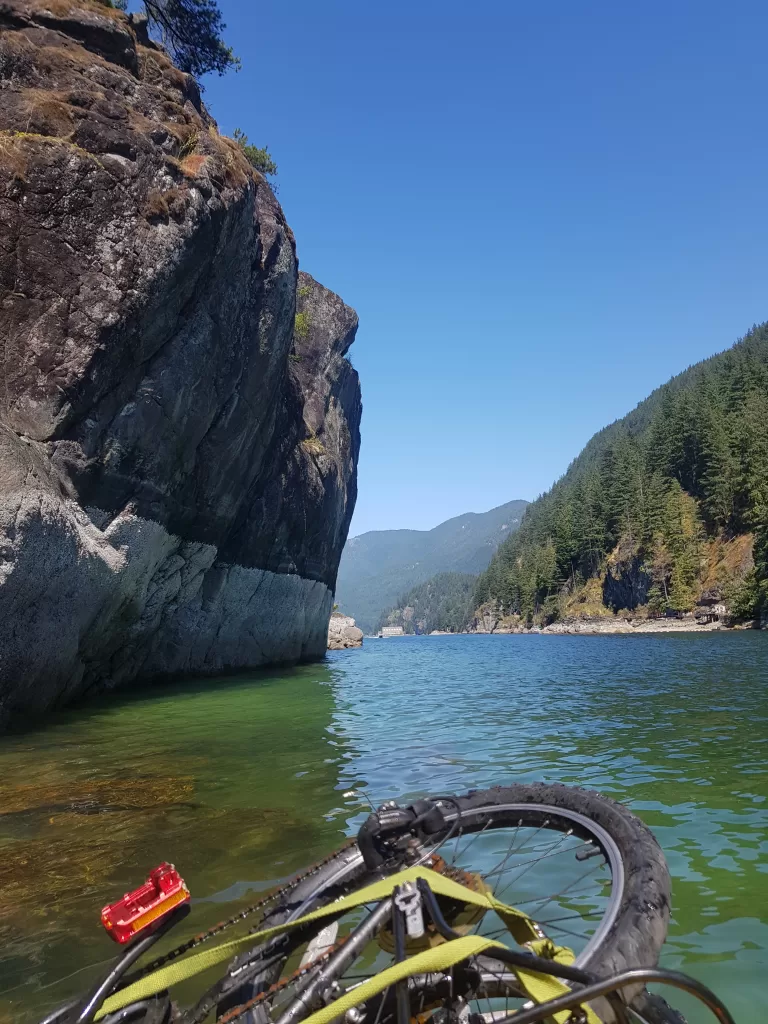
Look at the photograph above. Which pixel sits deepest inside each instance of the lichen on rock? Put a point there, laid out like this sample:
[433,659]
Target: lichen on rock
[161,510]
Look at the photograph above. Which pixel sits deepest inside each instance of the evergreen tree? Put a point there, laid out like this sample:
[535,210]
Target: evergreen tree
[565,547]
[659,567]
[720,473]
[191,31]
[683,534]
[761,567]
[655,493]
[751,443]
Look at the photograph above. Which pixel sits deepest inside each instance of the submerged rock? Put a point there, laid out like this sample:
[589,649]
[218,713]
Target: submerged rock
[343,633]
[178,448]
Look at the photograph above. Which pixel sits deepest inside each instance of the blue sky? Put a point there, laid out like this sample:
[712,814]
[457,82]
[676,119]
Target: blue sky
[541,211]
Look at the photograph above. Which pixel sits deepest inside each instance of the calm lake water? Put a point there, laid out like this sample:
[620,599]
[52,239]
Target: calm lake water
[241,782]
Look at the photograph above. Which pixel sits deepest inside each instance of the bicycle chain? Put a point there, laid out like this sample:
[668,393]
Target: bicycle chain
[217,929]
[237,1011]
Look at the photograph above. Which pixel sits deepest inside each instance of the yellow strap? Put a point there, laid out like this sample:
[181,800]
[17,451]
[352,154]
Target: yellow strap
[532,980]
[175,973]
[435,960]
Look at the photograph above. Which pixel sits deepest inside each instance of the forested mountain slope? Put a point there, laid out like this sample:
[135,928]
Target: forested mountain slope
[442,602]
[378,566]
[660,508]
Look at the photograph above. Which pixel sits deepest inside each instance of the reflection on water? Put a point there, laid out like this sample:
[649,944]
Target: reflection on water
[240,783]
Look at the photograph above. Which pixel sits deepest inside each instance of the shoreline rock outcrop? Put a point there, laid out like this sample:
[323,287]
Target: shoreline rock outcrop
[178,448]
[343,633]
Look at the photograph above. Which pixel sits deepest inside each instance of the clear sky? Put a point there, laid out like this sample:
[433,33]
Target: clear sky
[540,210]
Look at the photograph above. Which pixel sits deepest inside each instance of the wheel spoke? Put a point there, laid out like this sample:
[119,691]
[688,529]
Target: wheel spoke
[501,863]
[456,846]
[554,896]
[537,849]
[536,860]
[538,899]
[569,917]
[567,931]
[381,1006]
[475,837]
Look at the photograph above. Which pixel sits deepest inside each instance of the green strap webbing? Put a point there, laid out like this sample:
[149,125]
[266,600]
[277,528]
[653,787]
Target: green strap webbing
[519,925]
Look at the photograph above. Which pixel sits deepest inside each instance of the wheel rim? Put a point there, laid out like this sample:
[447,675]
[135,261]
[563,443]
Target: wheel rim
[475,820]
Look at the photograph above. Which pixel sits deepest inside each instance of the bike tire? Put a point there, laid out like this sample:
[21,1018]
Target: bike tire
[638,926]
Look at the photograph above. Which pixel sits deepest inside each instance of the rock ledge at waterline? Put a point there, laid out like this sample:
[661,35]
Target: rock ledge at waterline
[178,448]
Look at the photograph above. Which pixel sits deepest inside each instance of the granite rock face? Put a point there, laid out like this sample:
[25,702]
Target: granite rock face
[178,448]
[343,633]
[626,584]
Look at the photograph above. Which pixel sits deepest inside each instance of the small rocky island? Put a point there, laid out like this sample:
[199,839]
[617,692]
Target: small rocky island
[179,426]
[343,633]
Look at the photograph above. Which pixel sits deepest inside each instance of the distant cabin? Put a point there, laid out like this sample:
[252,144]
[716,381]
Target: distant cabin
[710,612]
[391,631]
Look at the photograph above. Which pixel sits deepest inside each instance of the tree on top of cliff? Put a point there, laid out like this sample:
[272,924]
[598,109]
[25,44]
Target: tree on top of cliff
[191,31]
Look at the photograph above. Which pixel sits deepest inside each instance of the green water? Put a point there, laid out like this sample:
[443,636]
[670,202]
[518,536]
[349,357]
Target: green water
[241,782]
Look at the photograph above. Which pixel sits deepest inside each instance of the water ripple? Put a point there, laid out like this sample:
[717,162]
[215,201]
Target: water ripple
[243,781]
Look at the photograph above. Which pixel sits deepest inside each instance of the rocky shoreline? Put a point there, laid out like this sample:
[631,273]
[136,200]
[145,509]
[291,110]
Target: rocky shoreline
[601,626]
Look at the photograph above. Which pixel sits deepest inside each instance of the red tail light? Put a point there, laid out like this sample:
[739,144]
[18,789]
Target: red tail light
[144,908]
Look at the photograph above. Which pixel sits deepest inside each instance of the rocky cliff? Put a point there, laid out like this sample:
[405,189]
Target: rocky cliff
[178,447]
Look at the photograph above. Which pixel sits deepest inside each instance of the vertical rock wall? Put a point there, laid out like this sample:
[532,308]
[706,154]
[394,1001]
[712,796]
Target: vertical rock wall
[178,449]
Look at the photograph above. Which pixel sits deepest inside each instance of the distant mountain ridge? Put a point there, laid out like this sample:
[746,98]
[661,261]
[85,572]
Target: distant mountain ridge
[377,567]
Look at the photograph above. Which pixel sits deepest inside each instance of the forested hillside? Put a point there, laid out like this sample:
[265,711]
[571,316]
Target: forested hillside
[659,506]
[443,602]
[378,566]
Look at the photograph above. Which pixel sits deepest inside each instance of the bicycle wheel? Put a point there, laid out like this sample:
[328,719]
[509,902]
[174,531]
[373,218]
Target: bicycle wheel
[586,870]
